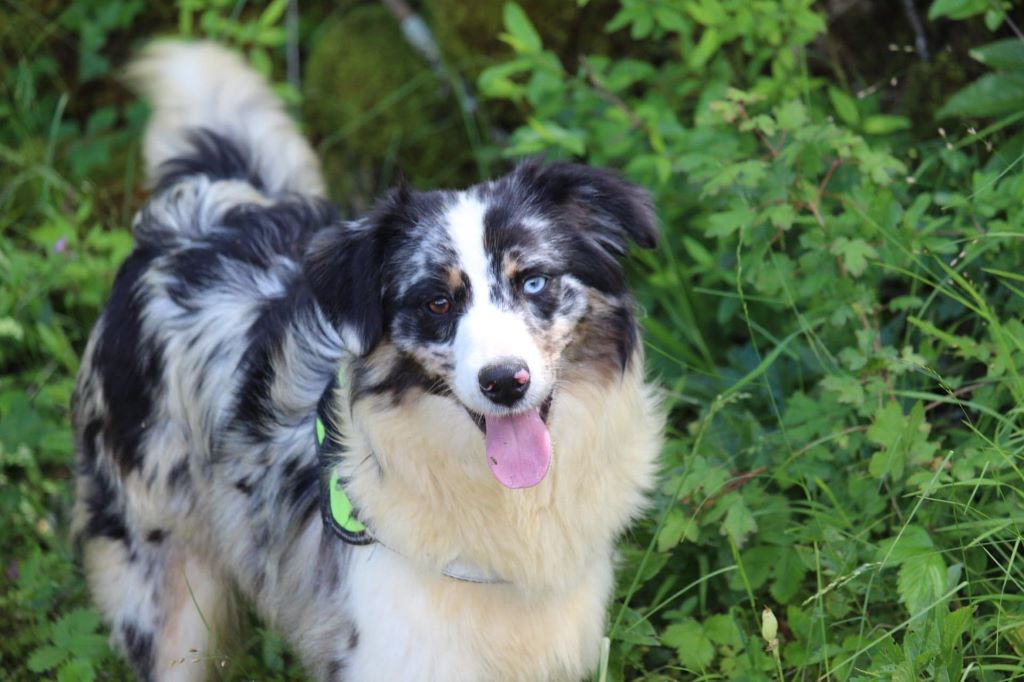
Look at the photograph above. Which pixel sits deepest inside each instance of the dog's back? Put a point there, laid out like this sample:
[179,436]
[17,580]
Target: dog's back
[186,368]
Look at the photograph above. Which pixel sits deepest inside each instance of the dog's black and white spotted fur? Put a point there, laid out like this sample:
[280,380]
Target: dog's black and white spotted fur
[492,409]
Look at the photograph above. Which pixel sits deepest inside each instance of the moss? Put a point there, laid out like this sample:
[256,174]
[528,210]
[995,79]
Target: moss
[468,32]
[904,83]
[375,108]
[928,86]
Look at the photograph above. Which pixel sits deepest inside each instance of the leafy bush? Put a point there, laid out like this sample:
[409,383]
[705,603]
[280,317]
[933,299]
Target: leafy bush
[68,187]
[57,260]
[836,312]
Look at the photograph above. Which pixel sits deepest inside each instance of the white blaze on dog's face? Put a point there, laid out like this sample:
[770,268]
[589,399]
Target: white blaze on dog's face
[499,326]
[498,366]
[489,297]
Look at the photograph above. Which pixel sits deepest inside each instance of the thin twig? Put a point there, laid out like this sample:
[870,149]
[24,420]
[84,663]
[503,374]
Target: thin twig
[814,205]
[920,38]
[970,388]
[1013,26]
[760,134]
[828,176]
[611,97]
[738,482]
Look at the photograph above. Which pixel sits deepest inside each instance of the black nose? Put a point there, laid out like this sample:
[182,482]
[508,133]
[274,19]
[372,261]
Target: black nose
[505,382]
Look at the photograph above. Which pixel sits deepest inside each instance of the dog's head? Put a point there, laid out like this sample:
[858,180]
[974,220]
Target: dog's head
[489,297]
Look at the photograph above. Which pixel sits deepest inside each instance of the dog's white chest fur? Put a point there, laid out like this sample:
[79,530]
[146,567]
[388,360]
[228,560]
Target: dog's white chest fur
[414,625]
[553,543]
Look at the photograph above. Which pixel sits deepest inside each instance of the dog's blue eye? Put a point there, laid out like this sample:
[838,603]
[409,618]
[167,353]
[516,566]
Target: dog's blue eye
[535,285]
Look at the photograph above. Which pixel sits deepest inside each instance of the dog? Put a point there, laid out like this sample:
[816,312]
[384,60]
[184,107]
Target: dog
[474,357]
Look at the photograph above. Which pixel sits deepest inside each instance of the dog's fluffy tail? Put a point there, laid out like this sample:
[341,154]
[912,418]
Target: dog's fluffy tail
[214,115]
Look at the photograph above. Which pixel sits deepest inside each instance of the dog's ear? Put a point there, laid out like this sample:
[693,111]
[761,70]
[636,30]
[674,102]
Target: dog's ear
[345,263]
[601,212]
[343,268]
[612,210]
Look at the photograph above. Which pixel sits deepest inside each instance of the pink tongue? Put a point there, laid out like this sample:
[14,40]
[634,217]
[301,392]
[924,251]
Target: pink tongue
[518,449]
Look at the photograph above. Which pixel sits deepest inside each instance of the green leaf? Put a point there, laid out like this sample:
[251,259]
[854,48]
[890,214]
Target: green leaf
[791,116]
[692,645]
[555,135]
[922,580]
[273,12]
[101,120]
[627,72]
[956,9]
[708,478]
[635,629]
[993,94]
[721,629]
[75,632]
[887,430]
[694,249]
[271,37]
[902,438]
[707,46]
[707,13]
[788,574]
[855,254]
[913,541]
[621,19]
[744,97]
[780,215]
[272,650]
[677,527]
[82,620]
[260,61]
[496,81]
[633,558]
[757,565]
[955,626]
[1002,54]
[670,18]
[848,389]
[744,174]
[642,26]
[886,463]
[11,328]
[739,522]
[76,670]
[887,426]
[904,672]
[44,658]
[883,124]
[994,18]
[522,36]
[845,106]
[88,645]
[724,224]
[904,303]
[961,345]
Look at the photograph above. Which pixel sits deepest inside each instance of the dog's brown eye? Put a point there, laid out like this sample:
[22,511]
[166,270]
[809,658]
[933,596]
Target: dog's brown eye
[440,305]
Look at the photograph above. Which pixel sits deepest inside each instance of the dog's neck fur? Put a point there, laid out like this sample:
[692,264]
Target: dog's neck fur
[439,502]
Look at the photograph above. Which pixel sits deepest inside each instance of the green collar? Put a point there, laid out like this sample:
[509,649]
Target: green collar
[337,509]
